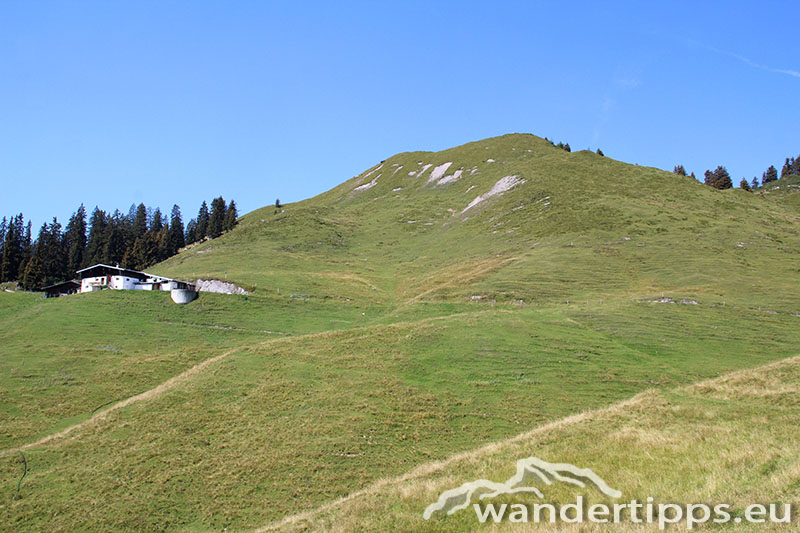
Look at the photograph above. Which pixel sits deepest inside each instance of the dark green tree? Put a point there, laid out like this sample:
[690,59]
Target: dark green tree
[12,250]
[230,216]
[140,222]
[27,249]
[600,152]
[770,175]
[176,238]
[33,278]
[719,178]
[202,222]
[567,148]
[3,228]
[163,244]
[216,219]
[754,183]
[744,185]
[679,170]
[116,243]
[792,166]
[75,240]
[158,221]
[98,238]
[277,203]
[143,253]
[52,253]
[191,231]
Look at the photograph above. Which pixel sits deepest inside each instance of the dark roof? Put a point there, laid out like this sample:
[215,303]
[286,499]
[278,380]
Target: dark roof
[116,270]
[71,283]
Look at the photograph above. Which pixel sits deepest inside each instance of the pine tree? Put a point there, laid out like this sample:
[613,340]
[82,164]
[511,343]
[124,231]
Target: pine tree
[277,203]
[230,216]
[33,277]
[12,250]
[202,222]
[567,148]
[795,167]
[98,237]
[600,152]
[770,175]
[115,244]
[75,240]
[52,254]
[679,170]
[27,249]
[176,238]
[744,185]
[140,222]
[158,221]
[787,168]
[3,228]
[217,217]
[754,183]
[719,179]
[163,250]
[143,253]
[191,232]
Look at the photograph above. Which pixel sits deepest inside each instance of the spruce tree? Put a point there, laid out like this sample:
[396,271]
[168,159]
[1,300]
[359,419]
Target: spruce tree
[217,217]
[140,222]
[744,185]
[191,232]
[230,216]
[12,250]
[75,240]
[719,179]
[115,244]
[176,238]
[163,249]
[567,148]
[52,254]
[158,221]
[98,237]
[754,183]
[26,246]
[3,228]
[600,153]
[787,168]
[679,170]
[202,222]
[770,175]
[33,277]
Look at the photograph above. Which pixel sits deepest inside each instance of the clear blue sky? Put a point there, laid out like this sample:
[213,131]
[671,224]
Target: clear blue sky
[162,102]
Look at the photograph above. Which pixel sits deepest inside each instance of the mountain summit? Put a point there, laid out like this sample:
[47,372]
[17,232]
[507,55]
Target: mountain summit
[506,218]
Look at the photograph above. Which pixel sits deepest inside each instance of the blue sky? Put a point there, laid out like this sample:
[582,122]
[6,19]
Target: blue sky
[114,103]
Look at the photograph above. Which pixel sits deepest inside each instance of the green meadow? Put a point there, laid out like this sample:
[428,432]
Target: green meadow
[391,327]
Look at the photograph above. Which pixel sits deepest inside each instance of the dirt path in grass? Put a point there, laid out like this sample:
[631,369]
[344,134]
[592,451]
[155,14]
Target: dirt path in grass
[187,375]
[427,469]
[101,415]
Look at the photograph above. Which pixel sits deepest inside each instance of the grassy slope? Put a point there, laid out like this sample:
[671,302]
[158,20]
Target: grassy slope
[730,440]
[417,369]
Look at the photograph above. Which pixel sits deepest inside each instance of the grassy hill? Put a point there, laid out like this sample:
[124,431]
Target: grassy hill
[418,310]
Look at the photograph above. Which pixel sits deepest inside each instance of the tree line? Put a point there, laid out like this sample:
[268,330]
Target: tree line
[136,239]
[719,178]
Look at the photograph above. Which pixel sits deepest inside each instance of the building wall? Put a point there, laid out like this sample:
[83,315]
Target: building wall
[113,282]
[93,284]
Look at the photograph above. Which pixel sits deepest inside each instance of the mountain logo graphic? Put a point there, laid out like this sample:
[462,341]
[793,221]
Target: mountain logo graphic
[530,471]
